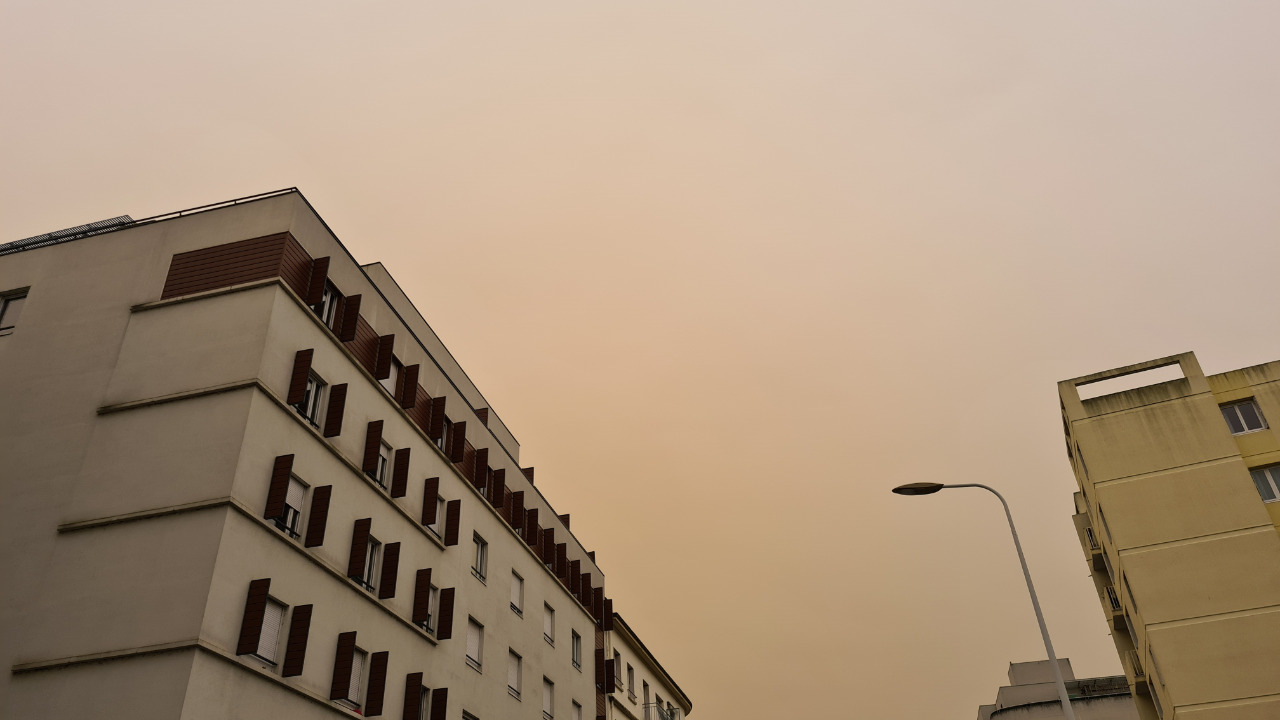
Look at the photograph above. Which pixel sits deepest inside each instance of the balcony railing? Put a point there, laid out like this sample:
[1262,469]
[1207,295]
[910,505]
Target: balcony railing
[1113,599]
[1135,665]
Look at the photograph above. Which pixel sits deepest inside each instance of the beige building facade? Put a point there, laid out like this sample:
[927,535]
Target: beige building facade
[1177,516]
[636,685]
[1033,695]
[243,478]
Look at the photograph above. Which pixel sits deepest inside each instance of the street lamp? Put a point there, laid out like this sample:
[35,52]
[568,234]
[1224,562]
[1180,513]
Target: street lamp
[924,488]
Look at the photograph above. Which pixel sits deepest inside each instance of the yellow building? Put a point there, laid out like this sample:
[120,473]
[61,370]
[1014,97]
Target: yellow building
[1177,516]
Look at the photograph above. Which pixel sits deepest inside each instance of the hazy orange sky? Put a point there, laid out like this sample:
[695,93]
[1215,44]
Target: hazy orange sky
[731,270]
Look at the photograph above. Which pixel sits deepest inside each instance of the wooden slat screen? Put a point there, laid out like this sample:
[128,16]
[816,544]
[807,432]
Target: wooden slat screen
[364,345]
[226,265]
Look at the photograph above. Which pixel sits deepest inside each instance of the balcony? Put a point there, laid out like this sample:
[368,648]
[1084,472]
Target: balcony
[1133,667]
[1089,542]
[1111,606]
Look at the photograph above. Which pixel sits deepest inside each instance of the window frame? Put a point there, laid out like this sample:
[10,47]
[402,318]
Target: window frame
[263,636]
[312,399]
[382,466]
[549,623]
[1270,474]
[290,522]
[475,663]
[480,563]
[575,649]
[7,300]
[514,662]
[1232,411]
[517,593]
[548,698]
[372,555]
[327,308]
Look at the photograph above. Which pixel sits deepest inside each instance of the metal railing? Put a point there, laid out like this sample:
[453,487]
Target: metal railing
[1113,598]
[1135,665]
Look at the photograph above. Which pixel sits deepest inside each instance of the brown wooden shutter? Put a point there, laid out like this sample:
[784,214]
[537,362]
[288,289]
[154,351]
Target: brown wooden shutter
[337,406]
[608,614]
[430,493]
[610,676]
[413,697]
[481,474]
[547,551]
[279,487]
[531,527]
[458,451]
[319,274]
[498,488]
[562,560]
[377,683]
[422,596]
[600,671]
[483,415]
[350,317]
[564,520]
[591,554]
[584,590]
[435,425]
[452,518]
[295,649]
[372,443]
[359,548]
[575,576]
[319,516]
[409,387]
[444,625]
[390,571]
[298,380]
[517,511]
[255,608]
[341,686]
[382,366]
[439,703]
[528,473]
[400,475]
[597,603]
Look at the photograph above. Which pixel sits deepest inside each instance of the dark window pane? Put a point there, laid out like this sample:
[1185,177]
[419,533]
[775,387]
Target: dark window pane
[1264,487]
[1252,417]
[1233,420]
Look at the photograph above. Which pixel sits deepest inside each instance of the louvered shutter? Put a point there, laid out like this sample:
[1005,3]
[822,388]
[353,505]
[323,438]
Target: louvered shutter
[430,493]
[444,626]
[608,614]
[255,607]
[610,676]
[372,443]
[295,651]
[400,475]
[562,560]
[517,511]
[481,476]
[452,519]
[359,548]
[340,688]
[390,571]
[439,703]
[278,492]
[409,387]
[422,596]
[350,316]
[435,426]
[531,527]
[564,520]
[600,671]
[457,453]
[298,379]
[528,474]
[333,414]
[382,366]
[413,697]
[319,516]
[272,620]
[498,488]
[377,683]
[575,576]
[319,274]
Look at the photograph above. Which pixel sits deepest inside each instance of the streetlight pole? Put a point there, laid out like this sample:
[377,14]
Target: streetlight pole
[929,489]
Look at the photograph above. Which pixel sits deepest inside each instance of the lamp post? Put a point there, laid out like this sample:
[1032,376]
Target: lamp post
[923,488]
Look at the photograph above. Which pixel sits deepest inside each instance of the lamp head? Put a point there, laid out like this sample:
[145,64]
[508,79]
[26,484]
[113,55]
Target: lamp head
[920,488]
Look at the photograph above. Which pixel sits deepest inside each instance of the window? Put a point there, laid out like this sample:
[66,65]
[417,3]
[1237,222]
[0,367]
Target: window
[424,703]
[671,713]
[617,661]
[646,700]
[293,500]
[357,673]
[436,526]
[380,469]
[327,310]
[433,602]
[389,383]
[269,640]
[576,649]
[549,624]
[1243,417]
[548,699]
[475,643]
[10,309]
[371,555]
[481,565]
[1267,480]
[445,435]
[513,674]
[577,711]
[631,682]
[517,593]
[312,400]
